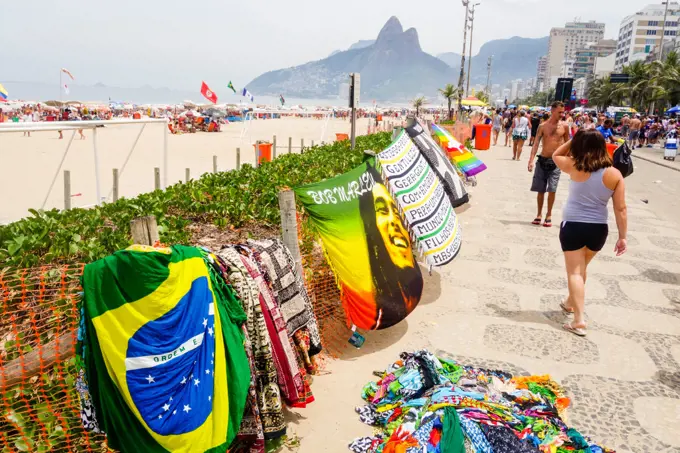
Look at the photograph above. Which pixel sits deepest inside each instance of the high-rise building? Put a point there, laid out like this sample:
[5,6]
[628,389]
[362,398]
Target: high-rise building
[641,32]
[584,61]
[514,89]
[541,70]
[563,44]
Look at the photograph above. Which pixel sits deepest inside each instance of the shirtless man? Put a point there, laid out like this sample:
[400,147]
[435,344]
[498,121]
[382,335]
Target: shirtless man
[635,126]
[554,133]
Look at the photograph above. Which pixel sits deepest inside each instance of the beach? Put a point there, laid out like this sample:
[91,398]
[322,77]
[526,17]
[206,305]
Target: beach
[29,164]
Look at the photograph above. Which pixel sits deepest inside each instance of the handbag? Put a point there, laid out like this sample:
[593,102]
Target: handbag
[623,160]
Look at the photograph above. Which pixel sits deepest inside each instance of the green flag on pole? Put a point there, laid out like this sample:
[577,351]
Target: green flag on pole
[231,85]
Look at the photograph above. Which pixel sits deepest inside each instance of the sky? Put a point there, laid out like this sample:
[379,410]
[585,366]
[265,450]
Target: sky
[177,44]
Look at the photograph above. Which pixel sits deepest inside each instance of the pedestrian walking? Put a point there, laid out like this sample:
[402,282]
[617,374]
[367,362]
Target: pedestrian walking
[496,128]
[584,229]
[520,133]
[554,133]
[535,122]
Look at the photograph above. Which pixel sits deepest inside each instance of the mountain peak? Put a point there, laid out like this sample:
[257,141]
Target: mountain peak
[390,30]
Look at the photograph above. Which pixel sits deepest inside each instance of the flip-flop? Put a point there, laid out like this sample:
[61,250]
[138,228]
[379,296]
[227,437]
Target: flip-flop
[565,310]
[580,331]
[537,221]
[547,223]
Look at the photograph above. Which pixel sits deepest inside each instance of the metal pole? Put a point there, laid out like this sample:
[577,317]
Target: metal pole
[488,77]
[96,165]
[302,144]
[290,145]
[56,174]
[214,164]
[127,158]
[274,148]
[663,35]
[156,178]
[67,189]
[472,29]
[238,158]
[165,154]
[187,174]
[466,3]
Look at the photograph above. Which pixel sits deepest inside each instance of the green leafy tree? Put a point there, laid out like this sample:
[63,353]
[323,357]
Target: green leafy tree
[483,96]
[449,92]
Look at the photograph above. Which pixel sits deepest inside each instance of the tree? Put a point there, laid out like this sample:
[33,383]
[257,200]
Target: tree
[483,96]
[449,92]
[418,103]
[603,93]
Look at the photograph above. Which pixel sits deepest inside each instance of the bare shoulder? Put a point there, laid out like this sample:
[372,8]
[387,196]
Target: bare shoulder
[611,178]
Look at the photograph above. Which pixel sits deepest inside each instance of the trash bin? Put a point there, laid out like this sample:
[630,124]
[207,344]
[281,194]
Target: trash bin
[263,152]
[341,137]
[483,136]
[611,147]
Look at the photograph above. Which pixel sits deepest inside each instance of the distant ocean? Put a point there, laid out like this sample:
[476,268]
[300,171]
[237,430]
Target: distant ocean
[33,91]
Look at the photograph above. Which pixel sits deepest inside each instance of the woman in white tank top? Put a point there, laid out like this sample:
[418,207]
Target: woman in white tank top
[584,227]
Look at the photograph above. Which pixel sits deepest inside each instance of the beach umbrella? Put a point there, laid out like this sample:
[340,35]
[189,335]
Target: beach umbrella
[524,107]
[512,106]
[674,110]
[472,101]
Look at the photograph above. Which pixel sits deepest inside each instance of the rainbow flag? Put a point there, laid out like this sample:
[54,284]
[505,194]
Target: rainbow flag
[3,93]
[459,155]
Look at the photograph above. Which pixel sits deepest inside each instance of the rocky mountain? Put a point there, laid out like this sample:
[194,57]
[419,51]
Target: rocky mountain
[394,67]
[513,58]
[361,44]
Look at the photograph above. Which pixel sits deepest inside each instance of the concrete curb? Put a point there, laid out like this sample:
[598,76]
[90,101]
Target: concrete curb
[657,162]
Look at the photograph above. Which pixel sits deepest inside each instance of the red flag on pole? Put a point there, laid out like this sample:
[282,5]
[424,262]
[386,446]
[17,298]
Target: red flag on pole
[208,93]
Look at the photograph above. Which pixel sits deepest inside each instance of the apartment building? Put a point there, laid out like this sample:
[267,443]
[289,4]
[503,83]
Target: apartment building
[563,44]
[642,32]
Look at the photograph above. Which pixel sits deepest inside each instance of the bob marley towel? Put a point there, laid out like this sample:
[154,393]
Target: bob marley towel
[366,244]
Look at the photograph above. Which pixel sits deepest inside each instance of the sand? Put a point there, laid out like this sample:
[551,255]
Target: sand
[29,164]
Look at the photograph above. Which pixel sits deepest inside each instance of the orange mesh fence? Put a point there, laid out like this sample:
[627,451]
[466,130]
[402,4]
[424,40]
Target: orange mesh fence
[39,316]
[324,292]
[39,407]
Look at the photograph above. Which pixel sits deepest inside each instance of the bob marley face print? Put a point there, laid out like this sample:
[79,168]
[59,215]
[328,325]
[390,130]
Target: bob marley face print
[391,227]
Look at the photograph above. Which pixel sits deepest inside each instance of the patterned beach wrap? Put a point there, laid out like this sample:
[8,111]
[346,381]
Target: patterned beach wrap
[440,163]
[163,351]
[366,244]
[422,196]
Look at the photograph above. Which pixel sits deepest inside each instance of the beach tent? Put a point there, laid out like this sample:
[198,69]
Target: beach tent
[472,101]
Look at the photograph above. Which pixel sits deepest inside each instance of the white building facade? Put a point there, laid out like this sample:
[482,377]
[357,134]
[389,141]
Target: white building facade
[563,44]
[641,32]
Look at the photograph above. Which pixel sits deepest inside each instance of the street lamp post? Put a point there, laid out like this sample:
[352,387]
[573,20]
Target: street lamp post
[472,27]
[488,77]
[466,4]
[663,36]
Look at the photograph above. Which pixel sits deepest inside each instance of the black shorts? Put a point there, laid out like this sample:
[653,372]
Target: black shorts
[576,235]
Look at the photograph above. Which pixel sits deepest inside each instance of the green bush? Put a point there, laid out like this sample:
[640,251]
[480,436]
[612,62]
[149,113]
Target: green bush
[228,199]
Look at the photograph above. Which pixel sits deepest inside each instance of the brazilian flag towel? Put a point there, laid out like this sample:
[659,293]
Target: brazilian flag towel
[163,351]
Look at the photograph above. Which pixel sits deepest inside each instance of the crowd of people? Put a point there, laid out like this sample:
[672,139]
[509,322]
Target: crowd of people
[640,130]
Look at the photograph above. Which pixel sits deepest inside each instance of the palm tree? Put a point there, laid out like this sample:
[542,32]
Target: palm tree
[418,103]
[602,93]
[639,89]
[449,92]
[663,80]
[483,96]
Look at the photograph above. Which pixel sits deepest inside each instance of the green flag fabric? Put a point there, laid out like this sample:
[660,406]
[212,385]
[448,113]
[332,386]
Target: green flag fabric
[231,86]
[163,351]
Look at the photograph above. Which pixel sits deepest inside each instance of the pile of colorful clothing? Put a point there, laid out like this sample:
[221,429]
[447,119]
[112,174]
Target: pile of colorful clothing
[427,404]
[186,350]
